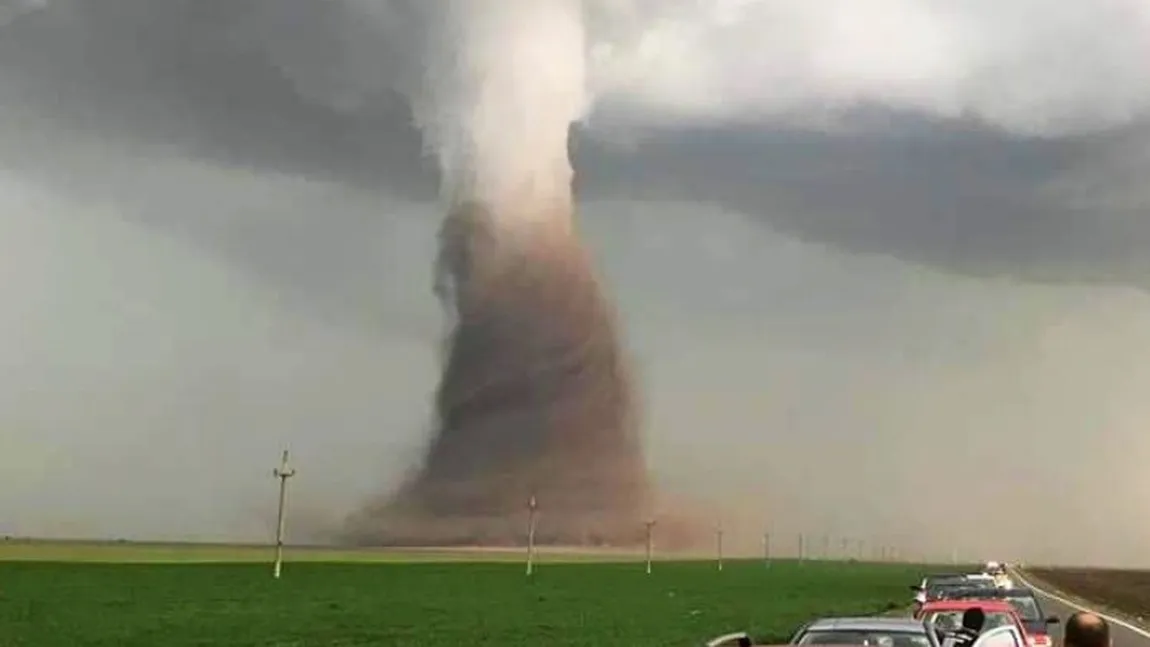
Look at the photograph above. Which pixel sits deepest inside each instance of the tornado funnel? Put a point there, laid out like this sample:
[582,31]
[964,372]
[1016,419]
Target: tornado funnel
[536,398]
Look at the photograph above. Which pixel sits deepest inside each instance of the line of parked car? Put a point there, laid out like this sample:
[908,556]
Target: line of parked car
[1013,617]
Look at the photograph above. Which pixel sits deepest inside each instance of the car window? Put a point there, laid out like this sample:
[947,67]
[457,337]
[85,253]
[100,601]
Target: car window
[1027,608]
[950,620]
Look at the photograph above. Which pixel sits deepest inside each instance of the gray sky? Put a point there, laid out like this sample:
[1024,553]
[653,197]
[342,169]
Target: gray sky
[862,276]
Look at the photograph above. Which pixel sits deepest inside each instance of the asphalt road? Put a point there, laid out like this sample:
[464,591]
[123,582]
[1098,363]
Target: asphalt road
[1123,636]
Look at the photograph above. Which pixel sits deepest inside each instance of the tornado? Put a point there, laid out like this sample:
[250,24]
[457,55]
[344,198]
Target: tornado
[537,400]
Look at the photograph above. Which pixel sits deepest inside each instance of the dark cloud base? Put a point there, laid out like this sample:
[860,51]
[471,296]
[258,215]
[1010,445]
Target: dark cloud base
[955,196]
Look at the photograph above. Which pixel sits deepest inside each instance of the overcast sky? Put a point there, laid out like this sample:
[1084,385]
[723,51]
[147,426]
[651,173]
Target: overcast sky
[871,260]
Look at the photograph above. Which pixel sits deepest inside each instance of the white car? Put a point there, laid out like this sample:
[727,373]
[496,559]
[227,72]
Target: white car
[999,580]
[1003,581]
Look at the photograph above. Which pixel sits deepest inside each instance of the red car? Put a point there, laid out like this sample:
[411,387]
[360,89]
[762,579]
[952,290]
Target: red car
[947,614]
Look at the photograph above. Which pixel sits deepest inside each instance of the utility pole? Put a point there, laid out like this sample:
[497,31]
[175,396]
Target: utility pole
[802,555]
[650,524]
[767,549]
[719,544]
[531,508]
[283,473]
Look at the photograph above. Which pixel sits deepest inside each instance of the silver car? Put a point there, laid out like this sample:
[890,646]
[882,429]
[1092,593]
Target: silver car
[878,631]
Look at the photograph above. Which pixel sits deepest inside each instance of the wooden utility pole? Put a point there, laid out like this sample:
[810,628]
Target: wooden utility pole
[719,544]
[283,473]
[650,524]
[532,506]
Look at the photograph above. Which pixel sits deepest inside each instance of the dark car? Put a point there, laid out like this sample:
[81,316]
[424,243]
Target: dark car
[878,631]
[934,587]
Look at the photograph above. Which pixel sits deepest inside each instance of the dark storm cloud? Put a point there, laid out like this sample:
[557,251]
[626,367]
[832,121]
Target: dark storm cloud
[974,202]
[964,197]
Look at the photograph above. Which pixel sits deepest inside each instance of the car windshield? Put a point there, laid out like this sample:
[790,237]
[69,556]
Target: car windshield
[1027,608]
[951,620]
[944,585]
[944,579]
[970,592]
[875,638]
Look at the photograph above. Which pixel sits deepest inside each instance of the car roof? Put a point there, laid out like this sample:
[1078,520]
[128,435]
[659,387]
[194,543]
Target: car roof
[875,623]
[967,603]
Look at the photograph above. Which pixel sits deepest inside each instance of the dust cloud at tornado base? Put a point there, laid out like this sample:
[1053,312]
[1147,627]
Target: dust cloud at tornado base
[536,400]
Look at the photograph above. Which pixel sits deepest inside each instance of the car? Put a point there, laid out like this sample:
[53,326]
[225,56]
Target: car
[999,579]
[877,631]
[1005,636]
[1003,581]
[966,593]
[932,586]
[1025,603]
[980,578]
[946,615]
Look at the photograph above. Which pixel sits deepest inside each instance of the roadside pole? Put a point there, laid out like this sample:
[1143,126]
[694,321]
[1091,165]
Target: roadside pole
[650,523]
[283,473]
[719,544]
[531,508]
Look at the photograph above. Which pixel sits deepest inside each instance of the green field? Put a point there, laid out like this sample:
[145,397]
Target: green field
[390,603]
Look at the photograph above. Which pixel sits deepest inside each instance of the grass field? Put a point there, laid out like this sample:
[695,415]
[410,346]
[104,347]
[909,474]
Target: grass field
[393,603]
